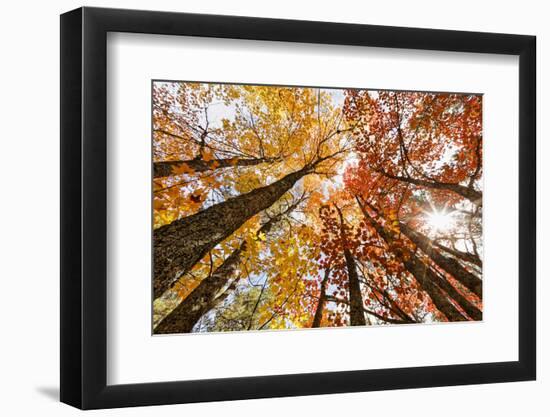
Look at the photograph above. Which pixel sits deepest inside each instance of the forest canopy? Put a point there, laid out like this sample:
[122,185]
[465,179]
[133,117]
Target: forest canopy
[281,207]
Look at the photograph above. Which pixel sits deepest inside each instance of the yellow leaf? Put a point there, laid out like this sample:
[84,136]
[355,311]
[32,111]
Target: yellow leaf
[158,204]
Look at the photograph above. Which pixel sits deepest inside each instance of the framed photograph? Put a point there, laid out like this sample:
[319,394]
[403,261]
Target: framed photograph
[257,208]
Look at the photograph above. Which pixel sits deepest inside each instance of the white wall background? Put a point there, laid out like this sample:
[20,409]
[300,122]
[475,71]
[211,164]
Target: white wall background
[29,174]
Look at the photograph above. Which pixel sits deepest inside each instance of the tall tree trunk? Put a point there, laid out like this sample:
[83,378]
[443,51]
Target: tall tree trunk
[322,298]
[470,309]
[428,281]
[357,316]
[467,257]
[179,245]
[469,193]
[423,275]
[200,300]
[452,266]
[208,293]
[167,168]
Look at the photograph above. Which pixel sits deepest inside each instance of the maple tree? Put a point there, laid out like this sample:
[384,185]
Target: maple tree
[290,207]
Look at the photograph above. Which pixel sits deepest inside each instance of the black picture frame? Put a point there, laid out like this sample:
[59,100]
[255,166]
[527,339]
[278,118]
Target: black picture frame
[84,207]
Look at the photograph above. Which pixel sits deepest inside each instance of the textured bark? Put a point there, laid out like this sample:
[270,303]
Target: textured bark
[208,294]
[428,282]
[469,193]
[426,278]
[322,299]
[179,245]
[167,168]
[357,317]
[467,257]
[469,308]
[201,299]
[452,266]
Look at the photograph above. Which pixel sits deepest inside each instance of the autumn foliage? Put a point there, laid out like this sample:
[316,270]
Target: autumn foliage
[290,207]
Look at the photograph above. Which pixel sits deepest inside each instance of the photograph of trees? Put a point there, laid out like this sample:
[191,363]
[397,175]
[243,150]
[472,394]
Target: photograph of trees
[278,207]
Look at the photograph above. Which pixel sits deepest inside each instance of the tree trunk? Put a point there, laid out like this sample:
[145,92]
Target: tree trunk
[179,245]
[423,275]
[200,300]
[469,193]
[428,281]
[467,257]
[208,293]
[452,266]
[357,316]
[470,309]
[322,298]
[167,168]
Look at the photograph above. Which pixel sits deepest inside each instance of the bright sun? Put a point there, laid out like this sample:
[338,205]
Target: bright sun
[440,221]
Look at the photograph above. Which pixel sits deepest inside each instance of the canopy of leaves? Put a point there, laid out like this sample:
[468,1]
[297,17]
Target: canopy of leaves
[392,178]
